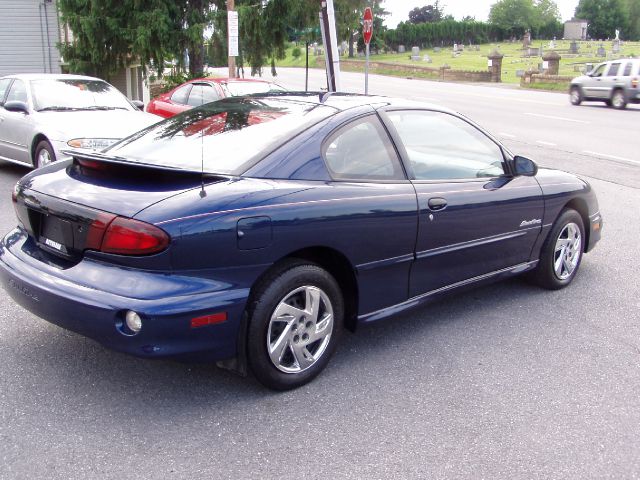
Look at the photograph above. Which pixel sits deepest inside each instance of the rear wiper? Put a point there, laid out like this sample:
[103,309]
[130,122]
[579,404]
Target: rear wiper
[56,108]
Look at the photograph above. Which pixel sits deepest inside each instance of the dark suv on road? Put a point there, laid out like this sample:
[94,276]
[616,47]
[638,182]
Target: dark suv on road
[614,83]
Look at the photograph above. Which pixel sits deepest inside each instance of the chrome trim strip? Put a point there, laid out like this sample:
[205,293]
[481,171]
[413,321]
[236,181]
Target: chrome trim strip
[385,263]
[14,144]
[417,300]
[17,162]
[279,205]
[472,243]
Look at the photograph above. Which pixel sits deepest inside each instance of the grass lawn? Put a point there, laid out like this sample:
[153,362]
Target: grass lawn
[471,59]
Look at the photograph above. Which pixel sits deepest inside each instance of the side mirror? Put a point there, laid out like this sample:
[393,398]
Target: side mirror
[522,166]
[138,104]
[16,106]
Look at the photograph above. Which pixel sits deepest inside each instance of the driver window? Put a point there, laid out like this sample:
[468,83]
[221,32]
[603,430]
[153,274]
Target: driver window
[17,92]
[4,84]
[599,70]
[362,151]
[444,147]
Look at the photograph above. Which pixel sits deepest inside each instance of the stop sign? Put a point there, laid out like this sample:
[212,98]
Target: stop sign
[367,25]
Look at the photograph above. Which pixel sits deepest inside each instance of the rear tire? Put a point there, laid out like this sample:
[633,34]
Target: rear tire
[561,252]
[619,100]
[295,322]
[575,95]
[44,154]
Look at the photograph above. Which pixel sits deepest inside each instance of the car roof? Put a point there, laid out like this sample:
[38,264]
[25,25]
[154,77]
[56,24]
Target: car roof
[50,76]
[229,80]
[346,101]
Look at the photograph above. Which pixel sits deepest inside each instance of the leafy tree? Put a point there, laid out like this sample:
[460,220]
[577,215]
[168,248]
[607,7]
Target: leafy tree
[604,17]
[349,20]
[426,14]
[633,8]
[541,17]
[514,16]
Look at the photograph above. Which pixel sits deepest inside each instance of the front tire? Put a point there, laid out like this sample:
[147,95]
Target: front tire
[44,154]
[295,324]
[561,252]
[575,96]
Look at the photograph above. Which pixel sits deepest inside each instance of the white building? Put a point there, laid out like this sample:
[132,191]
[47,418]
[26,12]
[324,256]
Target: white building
[575,29]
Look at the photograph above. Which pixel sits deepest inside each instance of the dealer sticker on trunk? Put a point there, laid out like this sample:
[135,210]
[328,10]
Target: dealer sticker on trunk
[53,244]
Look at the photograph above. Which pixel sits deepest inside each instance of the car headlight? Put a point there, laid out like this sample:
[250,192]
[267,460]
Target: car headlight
[92,143]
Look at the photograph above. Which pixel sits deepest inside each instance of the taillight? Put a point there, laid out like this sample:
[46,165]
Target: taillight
[97,229]
[125,236]
[634,83]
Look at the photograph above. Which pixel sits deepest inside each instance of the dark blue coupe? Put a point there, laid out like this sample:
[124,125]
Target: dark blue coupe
[252,230]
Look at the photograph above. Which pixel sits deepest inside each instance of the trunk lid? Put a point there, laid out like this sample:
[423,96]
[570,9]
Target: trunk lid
[66,207]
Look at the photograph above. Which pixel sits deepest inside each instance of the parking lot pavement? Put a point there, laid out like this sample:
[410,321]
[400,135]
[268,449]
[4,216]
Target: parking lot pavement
[507,381]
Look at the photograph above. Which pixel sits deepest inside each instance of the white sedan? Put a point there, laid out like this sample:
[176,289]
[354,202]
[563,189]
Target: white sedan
[41,115]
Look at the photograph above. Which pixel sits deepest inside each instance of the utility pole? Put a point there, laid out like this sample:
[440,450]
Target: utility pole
[232,58]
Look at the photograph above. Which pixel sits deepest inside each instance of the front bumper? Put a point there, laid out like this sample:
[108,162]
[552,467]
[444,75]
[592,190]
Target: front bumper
[595,230]
[89,298]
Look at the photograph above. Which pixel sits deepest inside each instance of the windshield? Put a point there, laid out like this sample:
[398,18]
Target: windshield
[238,89]
[76,94]
[224,137]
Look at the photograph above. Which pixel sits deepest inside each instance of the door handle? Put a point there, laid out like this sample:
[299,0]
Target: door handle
[437,203]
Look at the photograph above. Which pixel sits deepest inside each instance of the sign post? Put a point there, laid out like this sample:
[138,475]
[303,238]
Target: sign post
[232,30]
[367,33]
[332,59]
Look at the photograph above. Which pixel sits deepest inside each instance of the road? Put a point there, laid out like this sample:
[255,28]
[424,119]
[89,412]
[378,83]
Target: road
[507,381]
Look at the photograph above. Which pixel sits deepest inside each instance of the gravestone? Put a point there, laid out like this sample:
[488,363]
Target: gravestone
[427,59]
[401,49]
[616,46]
[574,48]
[461,47]
[526,40]
[519,73]
[601,51]
[455,48]
[533,52]
[415,53]
[437,49]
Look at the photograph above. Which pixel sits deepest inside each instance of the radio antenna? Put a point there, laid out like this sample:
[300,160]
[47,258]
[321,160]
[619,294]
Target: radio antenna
[203,193]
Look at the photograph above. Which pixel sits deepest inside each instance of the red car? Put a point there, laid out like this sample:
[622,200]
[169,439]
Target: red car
[204,90]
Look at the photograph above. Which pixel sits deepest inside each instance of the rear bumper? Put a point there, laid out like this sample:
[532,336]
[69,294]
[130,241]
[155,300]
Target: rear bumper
[58,296]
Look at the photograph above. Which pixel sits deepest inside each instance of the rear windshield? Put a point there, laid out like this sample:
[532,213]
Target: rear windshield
[224,137]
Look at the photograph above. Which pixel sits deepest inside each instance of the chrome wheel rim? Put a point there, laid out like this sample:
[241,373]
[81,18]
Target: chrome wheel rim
[567,252]
[300,329]
[44,158]
[618,99]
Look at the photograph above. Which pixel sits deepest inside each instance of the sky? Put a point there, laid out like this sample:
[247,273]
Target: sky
[479,9]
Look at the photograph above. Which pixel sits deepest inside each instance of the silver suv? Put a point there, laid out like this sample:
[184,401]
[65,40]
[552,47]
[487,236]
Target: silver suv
[615,83]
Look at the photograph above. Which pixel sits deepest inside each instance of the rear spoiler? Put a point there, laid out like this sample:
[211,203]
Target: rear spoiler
[94,159]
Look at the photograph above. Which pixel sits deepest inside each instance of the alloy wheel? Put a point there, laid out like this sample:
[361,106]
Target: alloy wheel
[567,251]
[300,329]
[44,158]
